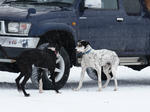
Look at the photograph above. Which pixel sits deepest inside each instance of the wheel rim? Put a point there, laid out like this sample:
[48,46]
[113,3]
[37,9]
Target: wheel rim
[92,73]
[59,70]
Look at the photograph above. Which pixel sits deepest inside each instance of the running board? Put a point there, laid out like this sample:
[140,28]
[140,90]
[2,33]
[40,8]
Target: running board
[126,61]
[132,61]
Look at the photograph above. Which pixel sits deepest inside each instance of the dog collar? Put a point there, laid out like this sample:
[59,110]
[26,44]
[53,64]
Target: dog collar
[87,52]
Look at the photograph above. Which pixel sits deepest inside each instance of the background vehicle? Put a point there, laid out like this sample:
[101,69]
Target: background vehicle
[119,25]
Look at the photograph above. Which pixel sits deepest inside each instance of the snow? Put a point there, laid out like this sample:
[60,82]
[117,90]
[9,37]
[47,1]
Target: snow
[133,94]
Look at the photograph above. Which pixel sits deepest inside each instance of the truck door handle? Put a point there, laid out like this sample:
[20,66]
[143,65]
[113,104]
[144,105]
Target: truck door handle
[120,19]
[82,17]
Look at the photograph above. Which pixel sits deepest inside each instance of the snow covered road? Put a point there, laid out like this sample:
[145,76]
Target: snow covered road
[133,94]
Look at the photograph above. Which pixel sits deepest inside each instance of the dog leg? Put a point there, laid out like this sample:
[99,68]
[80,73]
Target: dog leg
[99,79]
[81,79]
[26,78]
[18,80]
[106,71]
[53,81]
[115,79]
[40,73]
[40,86]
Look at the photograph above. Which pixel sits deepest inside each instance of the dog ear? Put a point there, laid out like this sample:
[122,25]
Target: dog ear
[85,43]
[51,48]
[78,41]
[57,47]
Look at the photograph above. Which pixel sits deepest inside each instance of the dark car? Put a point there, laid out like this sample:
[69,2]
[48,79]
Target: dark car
[119,25]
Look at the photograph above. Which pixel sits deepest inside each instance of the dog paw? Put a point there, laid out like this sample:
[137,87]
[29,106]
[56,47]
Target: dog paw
[103,86]
[76,89]
[115,89]
[27,95]
[58,92]
[40,91]
[19,89]
[99,90]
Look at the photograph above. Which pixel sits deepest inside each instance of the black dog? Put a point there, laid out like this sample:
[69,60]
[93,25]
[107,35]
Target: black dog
[39,58]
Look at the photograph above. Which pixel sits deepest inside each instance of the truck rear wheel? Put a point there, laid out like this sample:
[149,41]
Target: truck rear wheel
[62,72]
[93,74]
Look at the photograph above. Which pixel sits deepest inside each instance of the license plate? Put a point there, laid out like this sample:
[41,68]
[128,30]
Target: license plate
[19,42]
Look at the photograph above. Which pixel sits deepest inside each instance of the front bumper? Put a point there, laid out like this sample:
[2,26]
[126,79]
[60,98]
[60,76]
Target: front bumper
[15,45]
[19,42]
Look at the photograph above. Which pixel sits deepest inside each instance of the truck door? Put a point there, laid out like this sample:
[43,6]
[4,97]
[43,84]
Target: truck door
[137,28]
[109,26]
[102,20]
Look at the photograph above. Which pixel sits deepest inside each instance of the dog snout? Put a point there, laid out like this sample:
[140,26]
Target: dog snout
[77,51]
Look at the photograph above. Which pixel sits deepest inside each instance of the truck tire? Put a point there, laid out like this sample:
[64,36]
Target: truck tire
[93,74]
[62,72]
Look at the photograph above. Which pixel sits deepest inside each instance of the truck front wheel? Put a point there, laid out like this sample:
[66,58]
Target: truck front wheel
[62,72]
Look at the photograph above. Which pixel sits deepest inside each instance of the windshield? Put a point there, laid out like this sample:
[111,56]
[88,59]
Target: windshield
[43,2]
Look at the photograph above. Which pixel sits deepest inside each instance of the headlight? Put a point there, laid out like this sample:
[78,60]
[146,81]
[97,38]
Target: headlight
[13,27]
[19,28]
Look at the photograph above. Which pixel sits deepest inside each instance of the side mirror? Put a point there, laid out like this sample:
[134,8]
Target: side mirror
[31,11]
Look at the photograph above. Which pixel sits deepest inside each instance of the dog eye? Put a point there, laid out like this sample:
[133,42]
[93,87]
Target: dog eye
[79,45]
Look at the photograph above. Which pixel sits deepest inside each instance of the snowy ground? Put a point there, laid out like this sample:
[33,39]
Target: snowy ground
[133,94]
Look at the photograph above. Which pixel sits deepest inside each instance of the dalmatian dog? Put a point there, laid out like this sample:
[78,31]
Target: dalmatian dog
[98,60]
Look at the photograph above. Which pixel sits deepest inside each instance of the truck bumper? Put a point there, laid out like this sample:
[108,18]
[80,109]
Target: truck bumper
[14,46]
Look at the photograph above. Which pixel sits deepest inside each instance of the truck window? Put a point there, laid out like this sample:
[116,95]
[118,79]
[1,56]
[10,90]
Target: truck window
[102,4]
[132,7]
[147,3]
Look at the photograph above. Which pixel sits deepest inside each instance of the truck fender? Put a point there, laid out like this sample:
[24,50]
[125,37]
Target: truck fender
[41,29]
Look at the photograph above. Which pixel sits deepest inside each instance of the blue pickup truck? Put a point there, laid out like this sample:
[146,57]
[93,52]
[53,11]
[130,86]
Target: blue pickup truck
[119,25]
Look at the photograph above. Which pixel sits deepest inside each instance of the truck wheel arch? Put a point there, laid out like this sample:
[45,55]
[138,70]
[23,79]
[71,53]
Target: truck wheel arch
[63,38]
[67,51]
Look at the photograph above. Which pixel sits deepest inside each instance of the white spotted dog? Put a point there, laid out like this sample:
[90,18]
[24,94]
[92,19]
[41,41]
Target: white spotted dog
[97,59]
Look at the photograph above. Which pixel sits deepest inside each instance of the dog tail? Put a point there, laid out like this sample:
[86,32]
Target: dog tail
[4,52]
